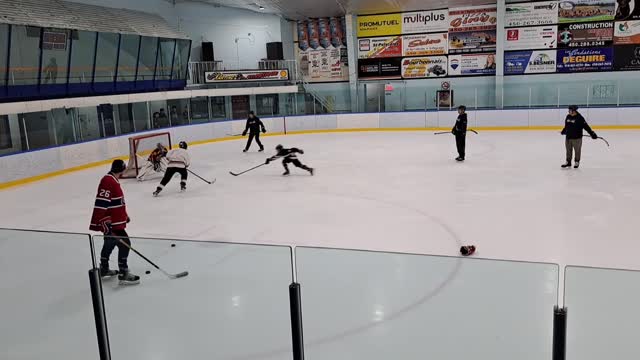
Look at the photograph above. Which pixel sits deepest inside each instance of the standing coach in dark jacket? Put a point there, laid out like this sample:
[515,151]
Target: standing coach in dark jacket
[460,131]
[574,124]
[254,125]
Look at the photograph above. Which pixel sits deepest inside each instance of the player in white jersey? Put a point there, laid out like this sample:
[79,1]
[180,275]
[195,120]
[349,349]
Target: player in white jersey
[179,161]
[156,163]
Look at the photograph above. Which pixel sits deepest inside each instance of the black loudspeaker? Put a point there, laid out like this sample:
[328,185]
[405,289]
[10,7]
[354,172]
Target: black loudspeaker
[207,51]
[274,51]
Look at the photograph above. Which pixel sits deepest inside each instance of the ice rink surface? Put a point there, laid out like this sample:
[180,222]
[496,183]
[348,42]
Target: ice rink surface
[396,191]
[391,191]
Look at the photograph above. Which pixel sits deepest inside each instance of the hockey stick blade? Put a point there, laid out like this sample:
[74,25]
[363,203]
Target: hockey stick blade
[179,275]
[234,134]
[473,131]
[170,276]
[443,132]
[234,174]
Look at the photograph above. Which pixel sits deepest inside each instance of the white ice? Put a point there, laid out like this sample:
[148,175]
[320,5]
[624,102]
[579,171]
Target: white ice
[391,191]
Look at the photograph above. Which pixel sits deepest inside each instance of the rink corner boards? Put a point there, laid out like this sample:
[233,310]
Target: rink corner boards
[28,180]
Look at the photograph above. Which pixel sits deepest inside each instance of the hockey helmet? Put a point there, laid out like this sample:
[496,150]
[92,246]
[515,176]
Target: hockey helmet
[159,146]
[573,107]
[182,145]
[279,147]
[118,166]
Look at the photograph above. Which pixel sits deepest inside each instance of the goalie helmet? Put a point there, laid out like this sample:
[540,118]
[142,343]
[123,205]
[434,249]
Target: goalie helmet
[182,145]
[279,147]
[159,146]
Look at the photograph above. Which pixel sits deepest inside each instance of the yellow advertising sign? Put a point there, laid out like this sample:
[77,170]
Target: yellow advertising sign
[378,25]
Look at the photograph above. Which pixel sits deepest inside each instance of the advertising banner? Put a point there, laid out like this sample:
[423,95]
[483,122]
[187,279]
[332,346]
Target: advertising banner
[379,68]
[530,62]
[313,29]
[425,21]
[246,75]
[379,25]
[580,60]
[336,32]
[425,44]
[628,10]
[324,65]
[382,47]
[303,35]
[585,34]
[586,10]
[424,67]
[626,58]
[626,32]
[325,32]
[541,37]
[472,64]
[472,41]
[473,18]
[531,14]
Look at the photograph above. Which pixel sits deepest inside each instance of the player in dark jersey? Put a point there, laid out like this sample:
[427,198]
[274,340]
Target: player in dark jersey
[290,157]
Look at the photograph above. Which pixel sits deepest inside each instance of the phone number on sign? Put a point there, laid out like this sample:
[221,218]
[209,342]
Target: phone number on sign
[587,43]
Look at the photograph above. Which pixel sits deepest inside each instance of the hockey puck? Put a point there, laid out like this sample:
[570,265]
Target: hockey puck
[173,245]
[147,272]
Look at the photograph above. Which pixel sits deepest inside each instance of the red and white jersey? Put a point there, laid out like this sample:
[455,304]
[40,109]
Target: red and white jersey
[109,205]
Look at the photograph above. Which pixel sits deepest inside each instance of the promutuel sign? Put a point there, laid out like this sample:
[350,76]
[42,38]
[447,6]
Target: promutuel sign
[425,21]
[377,25]
[247,75]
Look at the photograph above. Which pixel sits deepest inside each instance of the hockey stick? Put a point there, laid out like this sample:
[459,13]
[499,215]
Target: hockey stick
[601,138]
[201,178]
[234,134]
[170,276]
[449,132]
[240,173]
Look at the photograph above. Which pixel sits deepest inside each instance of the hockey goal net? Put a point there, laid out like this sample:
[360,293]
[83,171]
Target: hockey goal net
[139,149]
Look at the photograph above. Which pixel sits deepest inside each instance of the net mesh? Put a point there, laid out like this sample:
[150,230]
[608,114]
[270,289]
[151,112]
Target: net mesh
[139,149]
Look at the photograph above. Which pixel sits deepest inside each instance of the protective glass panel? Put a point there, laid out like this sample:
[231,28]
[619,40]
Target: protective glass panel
[233,304]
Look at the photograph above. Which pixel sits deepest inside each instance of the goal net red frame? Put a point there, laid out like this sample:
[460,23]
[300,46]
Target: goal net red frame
[139,149]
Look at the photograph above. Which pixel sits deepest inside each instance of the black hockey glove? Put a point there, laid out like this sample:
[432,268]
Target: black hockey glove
[594,136]
[268,161]
[563,132]
[264,130]
[301,151]
[244,133]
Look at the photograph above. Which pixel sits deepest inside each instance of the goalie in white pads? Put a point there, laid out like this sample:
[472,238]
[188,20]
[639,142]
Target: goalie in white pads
[179,160]
[156,162]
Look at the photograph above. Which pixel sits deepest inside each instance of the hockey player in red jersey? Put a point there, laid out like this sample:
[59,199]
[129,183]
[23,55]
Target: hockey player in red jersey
[110,217]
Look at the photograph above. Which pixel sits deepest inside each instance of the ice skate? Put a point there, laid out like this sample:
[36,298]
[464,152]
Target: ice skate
[183,187]
[157,192]
[127,278]
[576,165]
[459,158]
[286,173]
[106,273]
[311,171]
[245,150]
[566,165]
[261,149]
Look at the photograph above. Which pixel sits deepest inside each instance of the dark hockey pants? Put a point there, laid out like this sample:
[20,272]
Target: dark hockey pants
[573,145]
[110,242]
[169,174]
[251,136]
[461,144]
[295,163]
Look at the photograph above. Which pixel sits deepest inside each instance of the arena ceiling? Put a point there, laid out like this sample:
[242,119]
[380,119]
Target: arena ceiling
[303,9]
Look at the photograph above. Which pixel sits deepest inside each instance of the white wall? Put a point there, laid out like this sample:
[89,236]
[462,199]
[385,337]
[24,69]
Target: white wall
[24,165]
[163,8]
[222,26]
